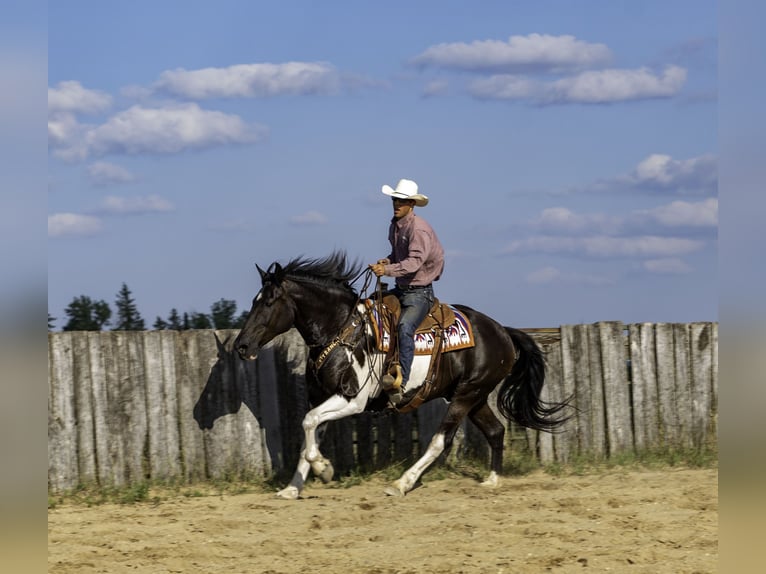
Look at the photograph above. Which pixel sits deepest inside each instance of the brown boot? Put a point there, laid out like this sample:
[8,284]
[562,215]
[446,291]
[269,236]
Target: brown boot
[392,383]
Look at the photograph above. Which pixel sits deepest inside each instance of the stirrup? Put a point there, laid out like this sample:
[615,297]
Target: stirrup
[389,382]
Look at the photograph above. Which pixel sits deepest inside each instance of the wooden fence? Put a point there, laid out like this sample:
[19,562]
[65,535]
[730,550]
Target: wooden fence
[126,407]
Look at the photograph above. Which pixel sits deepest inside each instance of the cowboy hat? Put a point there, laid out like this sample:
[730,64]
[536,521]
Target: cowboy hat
[406,189]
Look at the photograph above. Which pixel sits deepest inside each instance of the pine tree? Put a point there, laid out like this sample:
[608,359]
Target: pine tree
[128,317]
[200,321]
[51,320]
[160,324]
[240,322]
[174,321]
[222,313]
[87,315]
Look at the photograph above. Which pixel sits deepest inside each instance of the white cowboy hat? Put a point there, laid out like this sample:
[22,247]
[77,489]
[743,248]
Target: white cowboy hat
[406,189]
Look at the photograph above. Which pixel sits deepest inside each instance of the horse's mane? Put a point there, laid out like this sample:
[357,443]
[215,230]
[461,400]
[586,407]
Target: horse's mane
[335,269]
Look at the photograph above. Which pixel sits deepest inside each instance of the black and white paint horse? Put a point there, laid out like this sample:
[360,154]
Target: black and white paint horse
[316,298]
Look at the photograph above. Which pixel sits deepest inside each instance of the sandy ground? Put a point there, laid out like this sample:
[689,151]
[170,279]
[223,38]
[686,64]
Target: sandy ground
[617,521]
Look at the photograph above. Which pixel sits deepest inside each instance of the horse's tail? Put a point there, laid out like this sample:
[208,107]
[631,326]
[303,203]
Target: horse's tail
[519,396]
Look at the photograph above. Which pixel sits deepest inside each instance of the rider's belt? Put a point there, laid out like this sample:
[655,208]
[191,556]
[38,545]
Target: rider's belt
[412,287]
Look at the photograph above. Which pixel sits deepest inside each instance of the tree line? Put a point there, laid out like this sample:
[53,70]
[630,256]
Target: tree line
[86,314]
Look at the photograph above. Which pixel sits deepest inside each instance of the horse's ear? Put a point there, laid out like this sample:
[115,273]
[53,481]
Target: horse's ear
[219,345]
[262,273]
[279,272]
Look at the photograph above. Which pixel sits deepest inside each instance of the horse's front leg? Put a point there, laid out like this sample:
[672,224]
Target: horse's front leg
[334,408]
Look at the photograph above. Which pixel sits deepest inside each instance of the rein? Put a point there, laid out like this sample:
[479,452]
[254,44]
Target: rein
[350,326]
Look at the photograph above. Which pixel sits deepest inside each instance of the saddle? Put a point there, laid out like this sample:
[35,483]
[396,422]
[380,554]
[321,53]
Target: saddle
[453,328]
[443,329]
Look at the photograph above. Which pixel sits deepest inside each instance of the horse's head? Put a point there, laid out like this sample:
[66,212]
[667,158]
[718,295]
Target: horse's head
[272,313]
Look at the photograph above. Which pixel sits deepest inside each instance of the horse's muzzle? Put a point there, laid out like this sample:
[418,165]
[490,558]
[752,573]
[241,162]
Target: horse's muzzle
[247,354]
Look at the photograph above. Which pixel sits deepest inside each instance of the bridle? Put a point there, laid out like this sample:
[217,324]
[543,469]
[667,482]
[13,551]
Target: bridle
[345,337]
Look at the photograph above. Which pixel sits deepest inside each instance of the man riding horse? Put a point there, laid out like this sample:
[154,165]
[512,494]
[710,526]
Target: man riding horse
[416,261]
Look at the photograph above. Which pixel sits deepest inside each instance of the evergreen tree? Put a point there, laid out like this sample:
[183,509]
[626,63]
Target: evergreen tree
[174,321]
[160,324]
[222,314]
[51,319]
[87,315]
[200,321]
[240,322]
[128,317]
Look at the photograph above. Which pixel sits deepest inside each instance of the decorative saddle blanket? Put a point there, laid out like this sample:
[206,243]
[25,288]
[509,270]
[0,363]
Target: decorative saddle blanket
[456,331]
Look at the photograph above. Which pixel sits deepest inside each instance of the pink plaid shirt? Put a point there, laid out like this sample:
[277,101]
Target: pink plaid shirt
[417,256]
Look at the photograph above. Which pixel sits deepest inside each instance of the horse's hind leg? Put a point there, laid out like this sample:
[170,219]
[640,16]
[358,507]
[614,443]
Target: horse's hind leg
[494,431]
[441,442]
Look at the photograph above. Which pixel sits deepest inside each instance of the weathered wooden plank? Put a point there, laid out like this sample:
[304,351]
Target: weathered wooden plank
[81,377]
[63,473]
[132,396]
[701,360]
[552,392]
[576,377]
[114,467]
[616,388]
[596,440]
[189,386]
[268,409]
[683,383]
[643,360]
[162,406]
[666,383]
[98,378]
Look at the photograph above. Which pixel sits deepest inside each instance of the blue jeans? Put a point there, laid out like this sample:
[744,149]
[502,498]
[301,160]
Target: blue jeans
[415,303]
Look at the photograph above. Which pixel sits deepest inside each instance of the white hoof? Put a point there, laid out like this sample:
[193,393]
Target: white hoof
[288,493]
[492,481]
[395,490]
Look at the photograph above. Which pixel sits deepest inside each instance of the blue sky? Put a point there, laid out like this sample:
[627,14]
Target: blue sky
[569,150]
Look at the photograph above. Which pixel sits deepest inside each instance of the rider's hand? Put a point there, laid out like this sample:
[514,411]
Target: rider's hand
[378,268]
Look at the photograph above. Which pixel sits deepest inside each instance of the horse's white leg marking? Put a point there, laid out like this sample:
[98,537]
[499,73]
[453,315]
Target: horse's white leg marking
[293,490]
[492,480]
[412,474]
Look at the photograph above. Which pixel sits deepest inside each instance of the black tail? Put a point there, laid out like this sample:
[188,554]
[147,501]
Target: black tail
[519,395]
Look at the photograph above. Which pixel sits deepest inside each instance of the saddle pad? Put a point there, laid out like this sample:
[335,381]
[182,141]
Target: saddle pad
[456,334]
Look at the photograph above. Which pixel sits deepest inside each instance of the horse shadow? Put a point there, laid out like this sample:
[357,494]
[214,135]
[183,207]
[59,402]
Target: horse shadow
[225,391]
[232,383]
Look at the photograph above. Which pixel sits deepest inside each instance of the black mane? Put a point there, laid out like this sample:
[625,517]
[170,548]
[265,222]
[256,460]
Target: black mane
[333,269]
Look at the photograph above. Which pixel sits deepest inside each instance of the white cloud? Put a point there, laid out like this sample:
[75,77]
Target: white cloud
[309,218]
[160,130]
[662,173]
[677,217]
[551,275]
[591,87]
[71,97]
[670,265]
[251,80]
[72,224]
[562,220]
[534,52]
[606,86]
[436,88]
[134,205]
[105,173]
[603,246]
[543,276]
[686,214]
